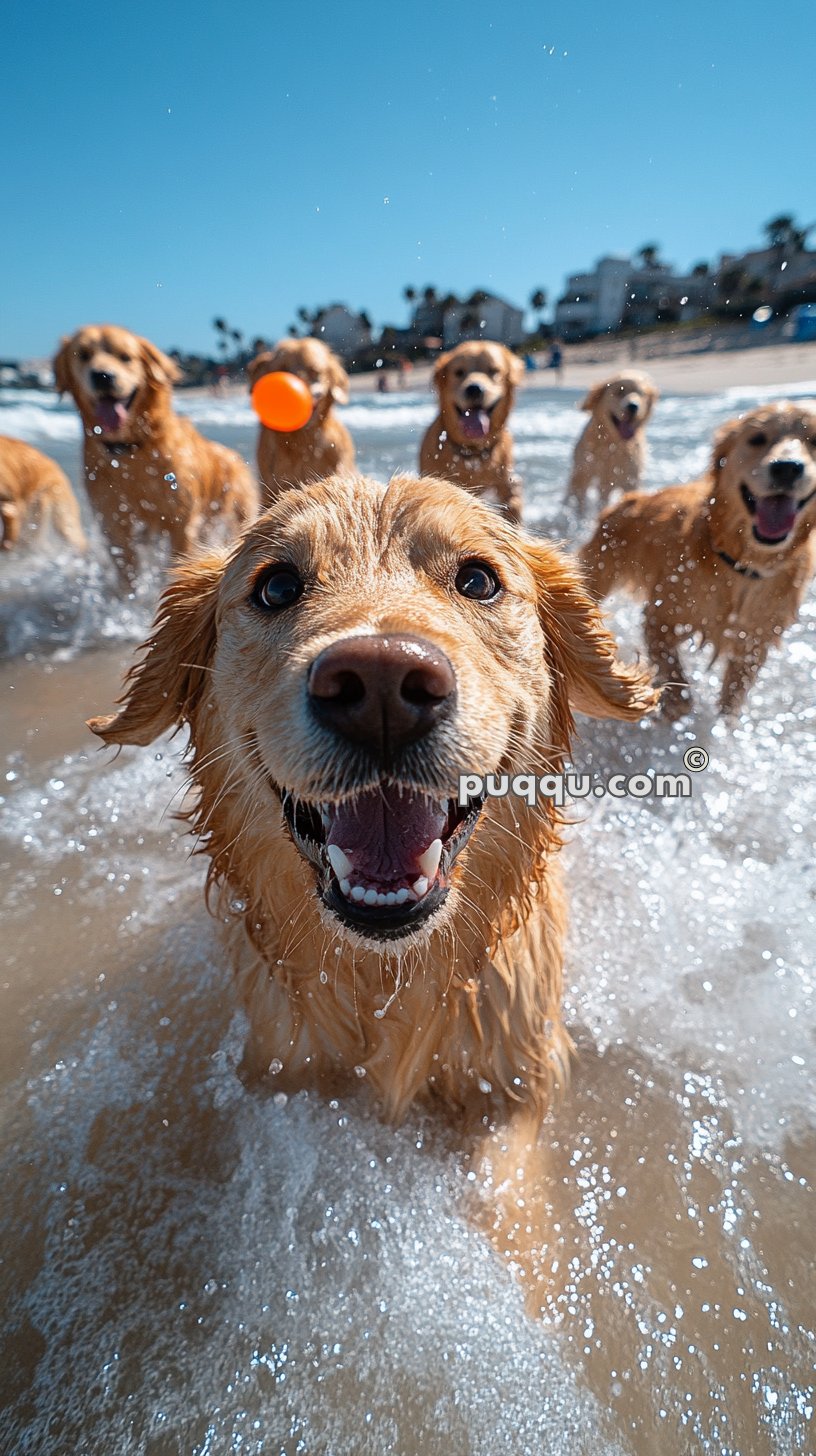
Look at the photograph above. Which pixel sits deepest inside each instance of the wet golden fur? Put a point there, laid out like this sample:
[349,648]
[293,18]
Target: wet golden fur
[484,467]
[32,486]
[664,548]
[324,446]
[466,1010]
[126,477]
[602,459]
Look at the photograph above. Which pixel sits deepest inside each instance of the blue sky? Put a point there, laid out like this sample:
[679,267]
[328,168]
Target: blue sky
[165,163]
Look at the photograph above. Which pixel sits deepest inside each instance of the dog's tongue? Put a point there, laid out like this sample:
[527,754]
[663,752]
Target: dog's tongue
[626,429]
[383,833]
[775,516]
[111,416]
[475,424]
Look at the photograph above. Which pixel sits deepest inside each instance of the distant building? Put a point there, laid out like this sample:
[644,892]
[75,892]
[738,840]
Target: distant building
[619,291]
[483,316]
[769,272]
[594,303]
[344,331]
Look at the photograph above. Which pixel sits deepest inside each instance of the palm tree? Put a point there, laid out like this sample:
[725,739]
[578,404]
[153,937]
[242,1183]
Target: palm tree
[782,233]
[304,315]
[538,300]
[700,270]
[409,294]
[429,293]
[222,328]
[649,255]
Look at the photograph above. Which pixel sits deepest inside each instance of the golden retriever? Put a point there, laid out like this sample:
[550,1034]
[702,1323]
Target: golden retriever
[324,446]
[727,558]
[468,441]
[611,451]
[147,471]
[361,648]
[32,486]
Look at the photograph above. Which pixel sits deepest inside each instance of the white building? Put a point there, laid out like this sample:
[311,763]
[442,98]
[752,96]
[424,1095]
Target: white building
[594,302]
[484,317]
[619,290]
[342,330]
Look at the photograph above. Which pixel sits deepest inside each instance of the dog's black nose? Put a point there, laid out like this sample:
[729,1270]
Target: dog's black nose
[382,692]
[474,392]
[785,473]
[631,407]
[102,381]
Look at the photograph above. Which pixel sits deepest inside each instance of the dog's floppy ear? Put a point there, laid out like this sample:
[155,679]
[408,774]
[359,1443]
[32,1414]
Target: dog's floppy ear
[159,368]
[515,368]
[163,689]
[61,366]
[338,381]
[581,652]
[440,369]
[724,440]
[261,364]
[591,400]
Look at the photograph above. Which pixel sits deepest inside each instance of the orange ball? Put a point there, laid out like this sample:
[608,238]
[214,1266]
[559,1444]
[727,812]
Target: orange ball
[282,401]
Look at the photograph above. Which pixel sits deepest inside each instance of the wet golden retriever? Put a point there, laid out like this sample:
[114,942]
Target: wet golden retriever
[324,446]
[147,471]
[726,558]
[33,489]
[611,451]
[359,650]
[469,442]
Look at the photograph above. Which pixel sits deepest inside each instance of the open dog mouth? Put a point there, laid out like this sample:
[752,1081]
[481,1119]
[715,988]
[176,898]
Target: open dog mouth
[384,856]
[475,421]
[774,515]
[626,427]
[111,413]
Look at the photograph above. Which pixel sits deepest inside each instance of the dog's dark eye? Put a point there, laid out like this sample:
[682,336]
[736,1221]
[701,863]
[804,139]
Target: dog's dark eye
[125,358]
[83,355]
[277,587]
[758,439]
[477,581]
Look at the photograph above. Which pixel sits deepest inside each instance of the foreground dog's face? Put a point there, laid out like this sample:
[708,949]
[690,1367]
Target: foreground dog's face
[475,383]
[622,404]
[765,466]
[361,649]
[112,374]
[313,362]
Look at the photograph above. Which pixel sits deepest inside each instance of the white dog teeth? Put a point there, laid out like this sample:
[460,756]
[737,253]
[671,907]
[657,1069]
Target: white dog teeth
[429,861]
[357,892]
[370,897]
[391,898]
[420,886]
[340,862]
[401,896]
[345,887]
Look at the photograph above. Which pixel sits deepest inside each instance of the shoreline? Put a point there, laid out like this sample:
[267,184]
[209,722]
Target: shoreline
[697,371]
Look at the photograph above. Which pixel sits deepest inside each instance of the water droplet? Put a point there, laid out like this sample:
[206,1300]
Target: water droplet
[275,1066]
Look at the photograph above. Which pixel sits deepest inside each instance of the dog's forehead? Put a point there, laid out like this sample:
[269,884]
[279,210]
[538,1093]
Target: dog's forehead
[627,383]
[479,357]
[353,527]
[105,338]
[778,422]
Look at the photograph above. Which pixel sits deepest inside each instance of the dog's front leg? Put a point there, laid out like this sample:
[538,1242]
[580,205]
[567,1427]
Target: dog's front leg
[740,674]
[661,645]
[512,1167]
